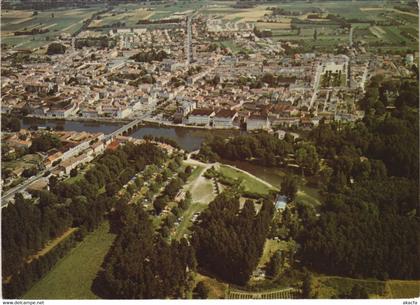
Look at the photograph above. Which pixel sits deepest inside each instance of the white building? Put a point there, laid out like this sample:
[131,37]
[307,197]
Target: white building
[201,117]
[63,112]
[224,118]
[255,122]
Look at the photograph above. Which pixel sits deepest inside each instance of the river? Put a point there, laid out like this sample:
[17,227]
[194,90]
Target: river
[188,138]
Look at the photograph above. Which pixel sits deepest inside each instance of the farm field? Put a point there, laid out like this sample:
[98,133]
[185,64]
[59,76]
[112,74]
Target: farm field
[361,14]
[73,275]
[57,21]
[129,17]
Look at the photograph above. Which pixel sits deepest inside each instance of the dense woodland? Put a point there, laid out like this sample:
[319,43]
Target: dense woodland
[28,224]
[263,149]
[44,142]
[140,264]
[149,56]
[10,123]
[228,240]
[368,223]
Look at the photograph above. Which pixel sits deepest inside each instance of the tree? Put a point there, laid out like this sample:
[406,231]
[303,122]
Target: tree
[29,172]
[52,181]
[307,158]
[289,188]
[235,253]
[10,123]
[274,265]
[112,188]
[201,291]
[45,142]
[315,34]
[358,292]
[56,48]
[307,286]
[73,172]
[160,203]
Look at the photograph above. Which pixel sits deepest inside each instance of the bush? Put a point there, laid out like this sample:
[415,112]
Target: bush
[56,48]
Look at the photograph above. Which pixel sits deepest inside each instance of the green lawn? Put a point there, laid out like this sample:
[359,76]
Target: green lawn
[73,275]
[195,173]
[404,289]
[186,221]
[309,195]
[270,247]
[248,181]
[328,286]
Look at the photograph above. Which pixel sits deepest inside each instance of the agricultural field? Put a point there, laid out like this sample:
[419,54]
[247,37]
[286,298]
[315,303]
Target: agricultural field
[57,22]
[361,15]
[129,17]
[73,275]
[234,47]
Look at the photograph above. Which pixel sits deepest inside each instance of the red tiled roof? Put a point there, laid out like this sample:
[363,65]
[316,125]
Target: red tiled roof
[202,112]
[225,113]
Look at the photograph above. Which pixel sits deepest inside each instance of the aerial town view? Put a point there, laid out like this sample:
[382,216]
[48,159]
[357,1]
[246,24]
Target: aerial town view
[200,149]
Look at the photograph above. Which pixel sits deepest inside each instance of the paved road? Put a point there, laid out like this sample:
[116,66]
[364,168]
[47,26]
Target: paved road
[124,128]
[11,193]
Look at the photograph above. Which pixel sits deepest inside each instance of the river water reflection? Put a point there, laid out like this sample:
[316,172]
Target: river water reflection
[188,138]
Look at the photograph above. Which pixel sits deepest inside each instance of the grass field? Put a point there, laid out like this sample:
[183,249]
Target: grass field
[73,275]
[391,37]
[201,192]
[250,183]
[403,289]
[309,195]
[217,289]
[50,245]
[27,161]
[329,286]
[270,247]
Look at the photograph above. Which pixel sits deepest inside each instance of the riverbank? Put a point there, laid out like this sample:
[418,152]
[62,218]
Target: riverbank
[147,122]
[188,139]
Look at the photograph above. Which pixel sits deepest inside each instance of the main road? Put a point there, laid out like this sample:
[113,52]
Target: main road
[21,187]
